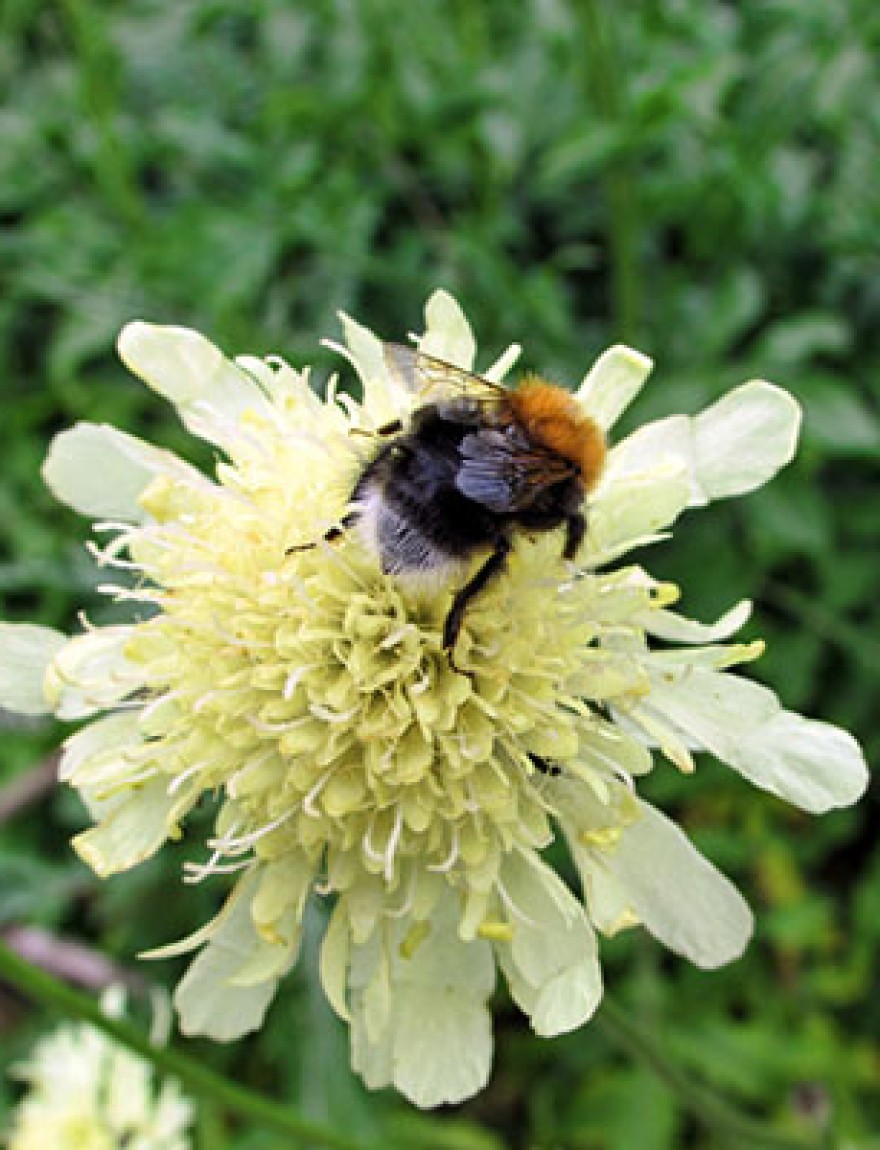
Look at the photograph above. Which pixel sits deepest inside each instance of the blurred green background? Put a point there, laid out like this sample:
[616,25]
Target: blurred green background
[695,177]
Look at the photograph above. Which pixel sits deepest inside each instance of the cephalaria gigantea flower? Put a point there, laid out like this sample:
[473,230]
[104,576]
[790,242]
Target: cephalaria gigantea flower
[274,665]
[86,1092]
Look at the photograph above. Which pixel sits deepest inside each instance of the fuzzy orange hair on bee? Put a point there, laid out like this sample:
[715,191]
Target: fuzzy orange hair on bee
[553,418]
[476,463]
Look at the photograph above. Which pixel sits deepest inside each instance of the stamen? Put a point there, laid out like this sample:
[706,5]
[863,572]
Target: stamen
[393,840]
[396,637]
[369,849]
[130,594]
[231,845]
[511,906]
[240,775]
[451,859]
[308,803]
[109,556]
[178,781]
[196,872]
[406,906]
[156,703]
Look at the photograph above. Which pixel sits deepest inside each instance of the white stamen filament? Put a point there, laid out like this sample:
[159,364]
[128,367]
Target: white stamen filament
[511,906]
[393,840]
[308,803]
[294,679]
[131,594]
[198,872]
[109,553]
[396,637]
[369,849]
[113,525]
[178,781]
[212,696]
[158,702]
[240,775]
[452,858]
[230,844]
[406,906]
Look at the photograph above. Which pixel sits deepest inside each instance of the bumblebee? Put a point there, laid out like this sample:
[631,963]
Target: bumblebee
[476,463]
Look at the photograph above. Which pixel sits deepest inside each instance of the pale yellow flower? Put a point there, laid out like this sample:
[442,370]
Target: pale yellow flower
[310,693]
[85,1092]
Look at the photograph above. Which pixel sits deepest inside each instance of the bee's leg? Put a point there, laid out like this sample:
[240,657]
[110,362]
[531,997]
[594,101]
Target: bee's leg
[575,529]
[392,428]
[334,533]
[545,766]
[451,628]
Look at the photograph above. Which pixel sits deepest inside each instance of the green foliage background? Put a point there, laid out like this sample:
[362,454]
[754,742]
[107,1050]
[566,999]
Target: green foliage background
[696,177]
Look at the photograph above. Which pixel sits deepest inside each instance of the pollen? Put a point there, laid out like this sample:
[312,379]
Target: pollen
[555,419]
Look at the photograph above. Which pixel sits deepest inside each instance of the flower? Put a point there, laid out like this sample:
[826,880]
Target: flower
[88,1093]
[289,676]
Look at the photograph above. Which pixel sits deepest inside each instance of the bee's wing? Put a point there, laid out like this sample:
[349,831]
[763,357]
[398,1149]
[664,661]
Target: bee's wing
[506,474]
[423,375]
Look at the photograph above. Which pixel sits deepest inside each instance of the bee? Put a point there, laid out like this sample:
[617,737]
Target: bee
[476,463]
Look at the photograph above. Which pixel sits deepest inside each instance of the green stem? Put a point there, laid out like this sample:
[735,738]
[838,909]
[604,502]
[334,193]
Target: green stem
[201,1081]
[713,1110]
[619,179]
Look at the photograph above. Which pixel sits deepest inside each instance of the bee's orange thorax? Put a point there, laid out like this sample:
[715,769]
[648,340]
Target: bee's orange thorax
[553,418]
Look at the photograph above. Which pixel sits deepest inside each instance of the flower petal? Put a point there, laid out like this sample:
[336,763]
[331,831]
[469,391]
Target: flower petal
[133,826]
[26,651]
[91,673]
[814,765]
[101,472]
[207,1000]
[613,382]
[677,893]
[664,624]
[365,350]
[551,964]
[448,334]
[419,1018]
[741,441]
[334,960]
[443,1046]
[734,446]
[210,393]
[630,509]
[106,739]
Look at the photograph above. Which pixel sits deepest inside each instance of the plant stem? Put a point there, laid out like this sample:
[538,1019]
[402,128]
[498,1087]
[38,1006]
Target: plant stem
[205,1083]
[619,180]
[713,1110]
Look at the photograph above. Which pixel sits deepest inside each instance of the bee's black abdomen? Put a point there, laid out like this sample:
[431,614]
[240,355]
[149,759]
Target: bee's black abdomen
[408,498]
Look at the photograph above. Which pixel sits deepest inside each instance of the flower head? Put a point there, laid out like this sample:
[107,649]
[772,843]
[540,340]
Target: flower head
[85,1092]
[278,667]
